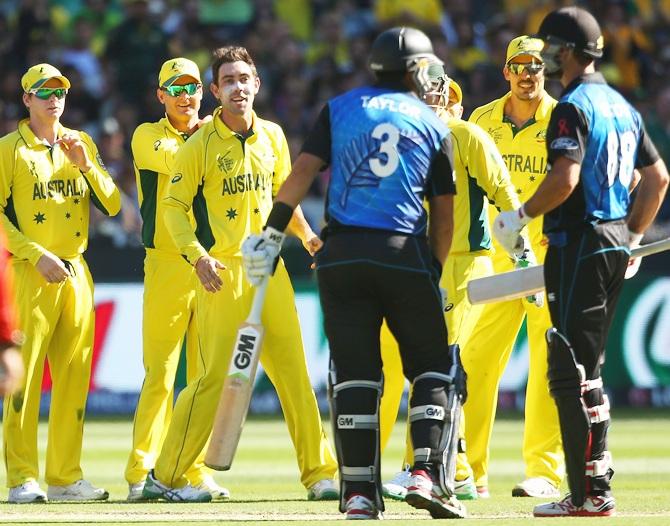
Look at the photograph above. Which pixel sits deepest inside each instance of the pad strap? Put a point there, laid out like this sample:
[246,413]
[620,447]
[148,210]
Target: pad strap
[357,421]
[426,412]
[360,384]
[590,385]
[422,454]
[599,468]
[358,474]
[437,376]
[600,413]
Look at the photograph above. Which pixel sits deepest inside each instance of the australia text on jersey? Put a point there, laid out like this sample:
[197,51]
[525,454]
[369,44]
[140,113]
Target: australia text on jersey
[525,163]
[245,182]
[65,187]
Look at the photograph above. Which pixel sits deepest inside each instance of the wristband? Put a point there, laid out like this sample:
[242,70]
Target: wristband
[280,216]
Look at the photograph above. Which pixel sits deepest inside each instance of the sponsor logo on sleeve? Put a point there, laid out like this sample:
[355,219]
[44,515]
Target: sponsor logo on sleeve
[564,143]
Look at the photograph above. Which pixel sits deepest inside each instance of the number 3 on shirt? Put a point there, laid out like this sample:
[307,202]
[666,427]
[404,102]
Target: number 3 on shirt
[389,137]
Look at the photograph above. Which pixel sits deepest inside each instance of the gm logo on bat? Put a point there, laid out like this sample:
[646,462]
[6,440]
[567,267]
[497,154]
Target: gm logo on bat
[245,346]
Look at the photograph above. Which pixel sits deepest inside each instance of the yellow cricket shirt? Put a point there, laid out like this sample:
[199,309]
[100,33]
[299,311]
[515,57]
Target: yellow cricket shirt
[229,181]
[480,176]
[45,198]
[523,149]
[154,146]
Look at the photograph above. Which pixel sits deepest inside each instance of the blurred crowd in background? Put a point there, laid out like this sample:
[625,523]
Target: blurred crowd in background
[306,51]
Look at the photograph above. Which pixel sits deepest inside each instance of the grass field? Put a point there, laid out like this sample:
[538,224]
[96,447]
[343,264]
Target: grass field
[265,488]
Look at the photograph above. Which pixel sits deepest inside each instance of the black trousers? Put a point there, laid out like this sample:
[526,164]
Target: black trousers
[367,276]
[583,280]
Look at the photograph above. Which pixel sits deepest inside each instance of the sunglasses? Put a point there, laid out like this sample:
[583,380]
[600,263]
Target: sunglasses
[45,93]
[176,91]
[533,68]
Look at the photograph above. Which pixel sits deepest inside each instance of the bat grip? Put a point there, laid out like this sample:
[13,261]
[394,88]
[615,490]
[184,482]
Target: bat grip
[257,305]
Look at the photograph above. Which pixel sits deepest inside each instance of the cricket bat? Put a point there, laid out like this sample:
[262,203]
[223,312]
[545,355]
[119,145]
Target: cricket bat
[237,387]
[528,281]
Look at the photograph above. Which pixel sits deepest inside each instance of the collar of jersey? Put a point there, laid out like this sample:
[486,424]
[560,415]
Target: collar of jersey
[543,111]
[224,131]
[588,78]
[29,137]
[168,125]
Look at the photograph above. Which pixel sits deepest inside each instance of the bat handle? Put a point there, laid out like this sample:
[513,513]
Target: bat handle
[257,305]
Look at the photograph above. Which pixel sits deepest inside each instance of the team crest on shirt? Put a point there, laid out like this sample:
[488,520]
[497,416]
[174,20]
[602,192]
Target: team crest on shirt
[496,134]
[541,136]
[33,169]
[157,145]
[224,163]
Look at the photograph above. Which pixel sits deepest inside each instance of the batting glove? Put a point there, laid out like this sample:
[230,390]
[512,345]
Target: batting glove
[260,254]
[526,260]
[507,230]
[633,263]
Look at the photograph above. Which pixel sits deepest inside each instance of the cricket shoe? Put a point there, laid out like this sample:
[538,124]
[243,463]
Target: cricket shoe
[324,489]
[465,489]
[81,490]
[360,507]
[483,492]
[423,494]
[153,489]
[217,492]
[593,507]
[26,493]
[396,488]
[536,487]
[136,492]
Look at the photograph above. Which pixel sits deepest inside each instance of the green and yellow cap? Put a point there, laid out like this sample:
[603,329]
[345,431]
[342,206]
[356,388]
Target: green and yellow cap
[524,45]
[175,68]
[39,74]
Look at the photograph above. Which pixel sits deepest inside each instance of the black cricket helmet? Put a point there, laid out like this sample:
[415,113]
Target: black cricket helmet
[398,48]
[574,27]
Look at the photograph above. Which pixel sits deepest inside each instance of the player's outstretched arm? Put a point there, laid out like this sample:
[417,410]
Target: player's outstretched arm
[299,180]
[555,188]
[259,252]
[299,227]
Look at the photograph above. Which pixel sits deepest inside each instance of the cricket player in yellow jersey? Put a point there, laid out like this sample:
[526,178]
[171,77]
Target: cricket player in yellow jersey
[481,177]
[228,173]
[517,123]
[49,175]
[169,281]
